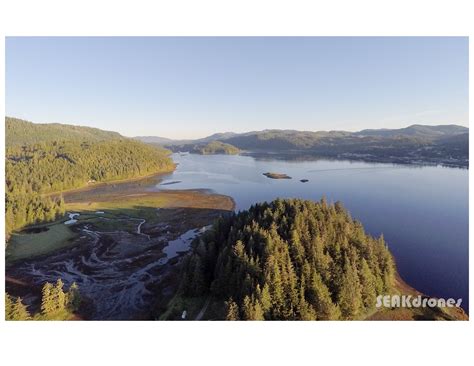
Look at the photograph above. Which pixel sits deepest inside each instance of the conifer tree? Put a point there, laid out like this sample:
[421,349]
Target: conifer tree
[305,311]
[73,297]
[266,299]
[276,290]
[350,298]
[247,309]
[258,313]
[59,297]
[8,307]
[368,285]
[47,300]
[198,276]
[232,310]
[321,299]
[19,311]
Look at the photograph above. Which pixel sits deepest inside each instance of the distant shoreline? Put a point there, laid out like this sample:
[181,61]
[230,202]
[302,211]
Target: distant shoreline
[305,156]
[104,183]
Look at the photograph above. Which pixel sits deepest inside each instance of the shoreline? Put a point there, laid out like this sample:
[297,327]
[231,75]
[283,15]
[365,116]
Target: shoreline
[142,204]
[105,183]
[308,156]
[170,198]
[413,313]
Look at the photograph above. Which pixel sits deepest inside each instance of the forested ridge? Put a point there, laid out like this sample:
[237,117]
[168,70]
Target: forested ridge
[20,132]
[444,144]
[215,147]
[290,259]
[206,148]
[65,161]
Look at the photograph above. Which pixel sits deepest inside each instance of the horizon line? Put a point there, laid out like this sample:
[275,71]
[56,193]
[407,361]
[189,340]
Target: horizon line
[242,132]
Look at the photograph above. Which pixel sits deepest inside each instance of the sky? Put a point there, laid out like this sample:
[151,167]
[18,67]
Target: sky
[192,87]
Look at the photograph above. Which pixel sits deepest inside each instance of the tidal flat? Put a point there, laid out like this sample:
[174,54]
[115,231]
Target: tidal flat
[117,249]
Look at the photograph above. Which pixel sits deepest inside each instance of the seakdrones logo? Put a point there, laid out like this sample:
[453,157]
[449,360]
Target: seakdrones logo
[408,301]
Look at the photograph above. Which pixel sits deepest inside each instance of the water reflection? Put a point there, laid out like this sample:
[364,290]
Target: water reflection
[421,210]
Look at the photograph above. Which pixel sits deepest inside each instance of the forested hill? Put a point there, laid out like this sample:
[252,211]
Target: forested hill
[289,259]
[20,132]
[50,158]
[215,147]
[444,144]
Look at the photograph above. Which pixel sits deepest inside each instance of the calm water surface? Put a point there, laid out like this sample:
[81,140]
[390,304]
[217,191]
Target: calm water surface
[421,211]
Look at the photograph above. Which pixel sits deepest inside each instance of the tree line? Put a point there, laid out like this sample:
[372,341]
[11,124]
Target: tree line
[19,132]
[56,304]
[289,260]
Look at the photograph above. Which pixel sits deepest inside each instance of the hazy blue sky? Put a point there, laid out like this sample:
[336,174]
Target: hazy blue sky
[192,87]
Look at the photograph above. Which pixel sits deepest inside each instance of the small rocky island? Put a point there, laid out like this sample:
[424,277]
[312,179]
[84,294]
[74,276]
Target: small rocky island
[276,175]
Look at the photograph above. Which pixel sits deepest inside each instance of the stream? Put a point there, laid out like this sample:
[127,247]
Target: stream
[114,269]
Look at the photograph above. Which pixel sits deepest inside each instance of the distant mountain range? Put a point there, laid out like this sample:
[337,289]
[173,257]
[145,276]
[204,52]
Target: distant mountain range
[443,144]
[421,131]
[166,141]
